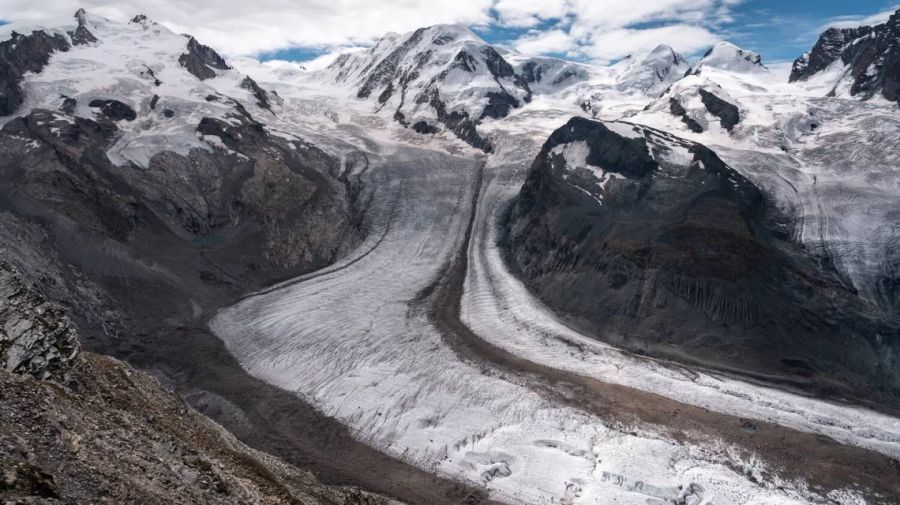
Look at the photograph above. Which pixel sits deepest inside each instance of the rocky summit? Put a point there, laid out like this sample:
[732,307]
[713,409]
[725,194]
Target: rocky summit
[868,58]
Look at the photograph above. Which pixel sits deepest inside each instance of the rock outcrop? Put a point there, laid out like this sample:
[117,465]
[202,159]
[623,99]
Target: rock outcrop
[102,432]
[728,113]
[202,61]
[870,55]
[654,244]
[19,55]
[114,110]
[36,337]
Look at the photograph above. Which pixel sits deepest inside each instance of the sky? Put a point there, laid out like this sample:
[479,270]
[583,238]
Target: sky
[596,31]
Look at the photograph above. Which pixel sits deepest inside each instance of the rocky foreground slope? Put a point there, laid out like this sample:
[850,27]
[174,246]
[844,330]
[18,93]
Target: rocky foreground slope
[78,427]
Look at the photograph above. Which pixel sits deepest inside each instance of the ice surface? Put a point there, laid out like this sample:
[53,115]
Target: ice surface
[351,341]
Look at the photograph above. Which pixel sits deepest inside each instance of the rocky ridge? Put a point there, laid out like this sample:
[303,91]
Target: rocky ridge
[79,427]
[870,56]
[654,244]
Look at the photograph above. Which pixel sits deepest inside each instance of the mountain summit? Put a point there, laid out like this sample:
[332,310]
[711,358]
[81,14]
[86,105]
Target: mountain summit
[865,59]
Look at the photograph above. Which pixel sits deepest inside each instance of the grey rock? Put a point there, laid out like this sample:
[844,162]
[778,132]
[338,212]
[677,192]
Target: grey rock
[81,35]
[872,53]
[200,60]
[19,55]
[114,109]
[36,336]
[678,110]
[692,263]
[729,115]
[262,97]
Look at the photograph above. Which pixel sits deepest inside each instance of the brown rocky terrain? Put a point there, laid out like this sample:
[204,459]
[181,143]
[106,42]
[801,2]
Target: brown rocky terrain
[77,427]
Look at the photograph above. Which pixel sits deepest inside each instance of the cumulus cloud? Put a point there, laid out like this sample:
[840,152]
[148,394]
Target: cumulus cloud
[854,21]
[528,13]
[244,28]
[601,30]
[551,41]
[615,44]
[606,30]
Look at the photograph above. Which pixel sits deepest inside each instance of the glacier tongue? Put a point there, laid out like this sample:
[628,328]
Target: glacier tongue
[352,341]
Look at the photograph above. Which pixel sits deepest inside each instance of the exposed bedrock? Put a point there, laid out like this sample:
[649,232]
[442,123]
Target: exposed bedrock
[729,115]
[19,55]
[160,240]
[870,54]
[201,60]
[678,256]
[81,428]
[679,111]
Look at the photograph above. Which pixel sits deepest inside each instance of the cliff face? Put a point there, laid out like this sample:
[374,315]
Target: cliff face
[654,244]
[36,337]
[163,200]
[870,54]
[83,428]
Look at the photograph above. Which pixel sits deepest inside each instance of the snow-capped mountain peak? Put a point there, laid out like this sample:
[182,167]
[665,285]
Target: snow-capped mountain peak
[651,72]
[862,61]
[442,76]
[727,56]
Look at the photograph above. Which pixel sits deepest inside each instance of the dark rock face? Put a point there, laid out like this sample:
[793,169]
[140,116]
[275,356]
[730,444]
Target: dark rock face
[828,49]
[114,109]
[729,115]
[259,211]
[459,123]
[68,105]
[21,54]
[262,97]
[677,110]
[424,128]
[499,105]
[81,35]
[872,53]
[200,60]
[36,337]
[691,263]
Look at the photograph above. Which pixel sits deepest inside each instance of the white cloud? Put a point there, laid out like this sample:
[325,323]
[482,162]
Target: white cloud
[240,28]
[606,30]
[528,13]
[552,41]
[610,45]
[854,21]
[598,29]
